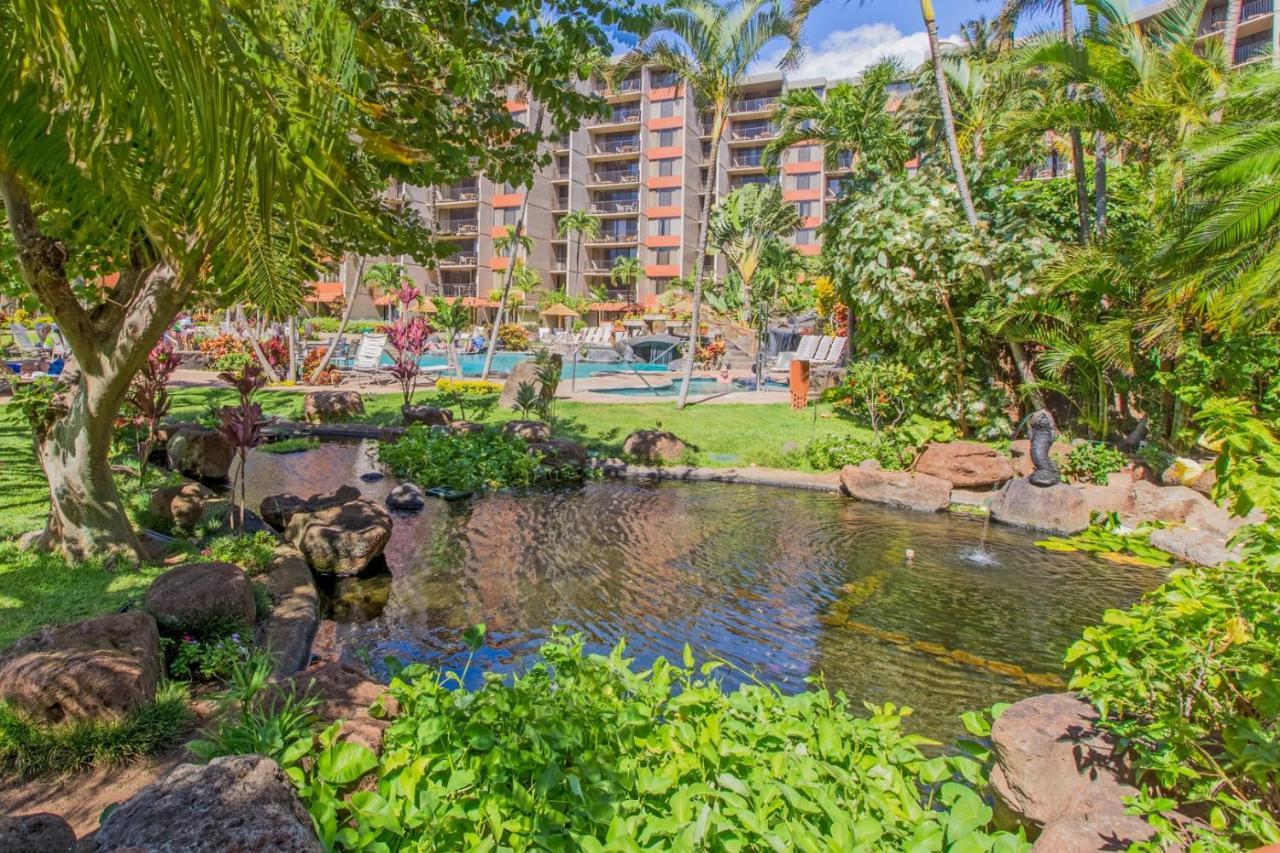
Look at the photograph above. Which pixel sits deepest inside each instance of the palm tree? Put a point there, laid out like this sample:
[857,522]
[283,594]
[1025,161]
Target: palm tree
[384,278]
[711,47]
[451,318]
[511,243]
[850,119]
[1231,31]
[626,272]
[580,224]
[745,223]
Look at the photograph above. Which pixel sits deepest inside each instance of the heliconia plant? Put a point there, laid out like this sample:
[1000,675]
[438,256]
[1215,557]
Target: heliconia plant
[148,399]
[408,338]
[242,427]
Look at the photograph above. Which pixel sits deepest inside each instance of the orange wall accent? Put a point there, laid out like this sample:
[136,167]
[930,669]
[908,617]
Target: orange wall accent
[664,152]
[811,194]
[498,231]
[664,211]
[665,123]
[811,222]
[517,106]
[666,93]
[662,270]
[508,200]
[802,168]
[498,262]
[662,182]
[809,249]
[662,241]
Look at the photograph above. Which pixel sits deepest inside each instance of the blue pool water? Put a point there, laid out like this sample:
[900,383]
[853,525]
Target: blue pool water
[699,387]
[473,365]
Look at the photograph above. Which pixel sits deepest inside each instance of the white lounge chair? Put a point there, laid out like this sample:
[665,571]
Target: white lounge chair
[27,348]
[836,351]
[822,353]
[368,360]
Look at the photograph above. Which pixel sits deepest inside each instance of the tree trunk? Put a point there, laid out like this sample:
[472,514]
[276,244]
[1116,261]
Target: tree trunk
[1230,34]
[699,260]
[1077,141]
[1100,185]
[962,420]
[256,347]
[342,324]
[948,117]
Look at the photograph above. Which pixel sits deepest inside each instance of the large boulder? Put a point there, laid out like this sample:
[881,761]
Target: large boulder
[96,669]
[199,593]
[276,510]
[237,803]
[332,407]
[1106,828]
[36,833]
[1171,504]
[406,497]
[524,371]
[340,540]
[426,415]
[199,452]
[1052,764]
[654,445]
[345,693]
[468,427]
[1202,547]
[1059,509]
[560,453]
[903,489]
[1020,455]
[1113,497]
[182,505]
[965,464]
[529,431]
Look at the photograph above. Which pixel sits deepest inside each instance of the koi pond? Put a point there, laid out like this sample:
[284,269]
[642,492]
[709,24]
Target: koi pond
[785,585]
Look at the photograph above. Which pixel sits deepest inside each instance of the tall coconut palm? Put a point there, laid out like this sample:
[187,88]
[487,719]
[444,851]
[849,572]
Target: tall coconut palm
[711,47]
[511,243]
[1231,30]
[626,272]
[851,119]
[578,224]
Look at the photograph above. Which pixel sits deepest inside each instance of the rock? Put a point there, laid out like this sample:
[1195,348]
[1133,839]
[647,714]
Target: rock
[560,452]
[1205,482]
[346,693]
[1020,455]
[1149,502]
[295,611]
[406,497]
[332,407]
[36,833]
[1201,547]
[468,427]
[100,668]
[372,476]
[200,453]
[1059,509]
[1104,829]
[340,540]
[235,803]
[524,371]
[276,510]
[965,464]
[903,489]
[198,593]
[1182,472]
[1051,763]
[530,431]
[1109,498]
[651,445]
[428,415]
[182,505]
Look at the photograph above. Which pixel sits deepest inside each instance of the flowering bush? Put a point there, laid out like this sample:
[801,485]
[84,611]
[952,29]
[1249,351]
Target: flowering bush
[332,376]
[193,659]
[711,355]
[276,351]
[513,336]
[215,348]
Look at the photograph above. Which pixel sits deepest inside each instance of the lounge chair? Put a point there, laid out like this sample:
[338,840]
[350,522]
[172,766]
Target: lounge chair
[836,352]
[27,348]
[823,351]
[368,360]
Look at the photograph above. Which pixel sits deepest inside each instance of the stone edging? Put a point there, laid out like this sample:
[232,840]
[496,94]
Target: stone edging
[295,611]
[745,476]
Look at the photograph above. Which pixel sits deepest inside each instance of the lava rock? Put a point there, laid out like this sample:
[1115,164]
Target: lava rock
[331,407]
[183,505]
[904,489]
[468,427]
[276,510]
[406,497]
[197,593]
[1059,509]
[199,452]
[560,453]
[652,445]
[1149,502]
[529,431]
[36,833]
[426,415]
[1202,547]
[372,476]
[340,540]
[97,669]
[1109,498]
[965,464]
[524,371]
[345,693]
[234,803]
[1110,828]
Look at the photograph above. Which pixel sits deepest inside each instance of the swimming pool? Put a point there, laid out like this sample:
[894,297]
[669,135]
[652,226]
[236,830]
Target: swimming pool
[699,387]
[473,365]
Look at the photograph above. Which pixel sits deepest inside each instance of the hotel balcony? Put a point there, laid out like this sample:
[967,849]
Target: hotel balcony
[844,162]
[452,290]
[459,228]
[756,104]
[1252,51]
[745,132]
[614,177]
[616,207]
[627,88]
[616,147]
[460,259]
[617,117]
[458,195]
[753,162]
[620,238]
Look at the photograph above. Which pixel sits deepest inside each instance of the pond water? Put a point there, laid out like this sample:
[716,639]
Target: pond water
[784,584]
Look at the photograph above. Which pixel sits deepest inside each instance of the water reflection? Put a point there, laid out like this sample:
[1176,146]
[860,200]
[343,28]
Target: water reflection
[783,584]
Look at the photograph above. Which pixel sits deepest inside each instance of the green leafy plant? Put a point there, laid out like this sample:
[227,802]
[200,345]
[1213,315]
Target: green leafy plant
[513,337]
[259,717]
[1094,463]
[528,401]
[191,658]
[1108,538]
[290,445]
[468,461]
[547,372]
[477,395]
[232,362]
[586,752]
[831,453]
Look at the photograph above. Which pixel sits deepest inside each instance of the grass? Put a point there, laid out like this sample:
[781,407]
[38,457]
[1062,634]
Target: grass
[290,445]
[29,749]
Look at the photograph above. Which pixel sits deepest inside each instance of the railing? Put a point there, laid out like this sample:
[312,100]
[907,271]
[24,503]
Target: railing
[616,177]
[615,238]
[562,174]
[562,141]
[458,260]
[631,146]
[1216,20]
[754,162]
[631,84]
[663,81]
[1254,8]
[560,205]
[1252,50]
[455,289]
[844,160]
[625,294]
[762,131]
[617,117]
[559,266]
[615,206]
[460,194]
[459,226]
[745,105]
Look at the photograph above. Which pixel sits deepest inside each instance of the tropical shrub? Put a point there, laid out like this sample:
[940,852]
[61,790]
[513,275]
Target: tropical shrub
[831,453]
[1094,463]
[259,717]
[513,336]
[193,659]
[215,348]
[242,425]
[147,400]
[585,752]
[480,396]
[468,461]
[232,362]
[880,392]
[709,356]
[332,376]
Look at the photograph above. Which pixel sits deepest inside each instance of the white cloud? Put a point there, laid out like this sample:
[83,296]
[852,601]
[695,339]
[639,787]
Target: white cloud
[844,53]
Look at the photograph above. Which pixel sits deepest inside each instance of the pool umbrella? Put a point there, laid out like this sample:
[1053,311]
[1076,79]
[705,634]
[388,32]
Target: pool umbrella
[560,312]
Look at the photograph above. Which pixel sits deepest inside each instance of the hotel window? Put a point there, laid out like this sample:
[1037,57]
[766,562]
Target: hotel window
[663,198]
[806,237]
[667,109]
[662,79]
[664,168]
[664,138]
[806,209]
[804,153]
[662,227]
[664,257]
[506,216]
[804,182]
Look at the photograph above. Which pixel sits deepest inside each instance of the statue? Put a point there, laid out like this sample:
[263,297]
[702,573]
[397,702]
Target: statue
[1043,431]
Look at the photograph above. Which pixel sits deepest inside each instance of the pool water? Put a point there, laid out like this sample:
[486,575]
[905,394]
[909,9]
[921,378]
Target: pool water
[784,584]
[503,362]
[697,387]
